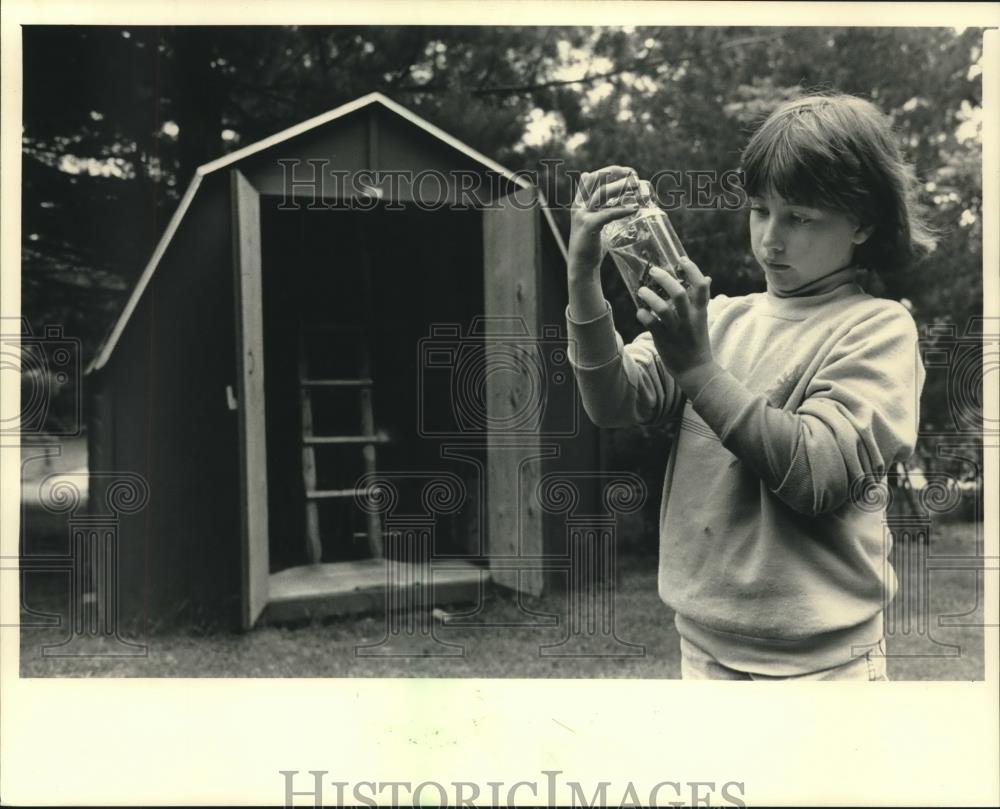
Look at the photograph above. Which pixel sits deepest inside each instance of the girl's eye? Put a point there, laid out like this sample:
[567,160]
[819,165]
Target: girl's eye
[800,220]
[757,209]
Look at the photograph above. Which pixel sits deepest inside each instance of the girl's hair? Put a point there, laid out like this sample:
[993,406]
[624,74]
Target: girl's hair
[837,151]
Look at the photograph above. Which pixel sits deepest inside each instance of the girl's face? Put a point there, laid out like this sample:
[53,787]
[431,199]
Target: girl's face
[796,244]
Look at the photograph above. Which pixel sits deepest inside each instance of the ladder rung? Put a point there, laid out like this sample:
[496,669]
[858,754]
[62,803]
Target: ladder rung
[345,439]
[318,494]
[335,383]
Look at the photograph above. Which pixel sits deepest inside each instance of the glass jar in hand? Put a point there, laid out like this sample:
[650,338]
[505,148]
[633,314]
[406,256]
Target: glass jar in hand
[641,241]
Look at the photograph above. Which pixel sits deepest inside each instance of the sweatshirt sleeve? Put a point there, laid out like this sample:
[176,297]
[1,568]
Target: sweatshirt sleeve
[620,385]
[859,414]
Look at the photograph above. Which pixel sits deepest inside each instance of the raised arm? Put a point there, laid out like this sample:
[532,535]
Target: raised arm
[619,385]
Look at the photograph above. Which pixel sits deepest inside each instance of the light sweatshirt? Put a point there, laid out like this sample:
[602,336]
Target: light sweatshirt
[771,561]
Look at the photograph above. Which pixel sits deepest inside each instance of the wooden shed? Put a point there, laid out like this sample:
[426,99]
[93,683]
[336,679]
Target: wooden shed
[327,399]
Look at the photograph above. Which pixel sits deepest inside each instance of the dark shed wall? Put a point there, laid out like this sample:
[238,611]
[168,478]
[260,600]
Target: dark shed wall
[565,423]
[167,379]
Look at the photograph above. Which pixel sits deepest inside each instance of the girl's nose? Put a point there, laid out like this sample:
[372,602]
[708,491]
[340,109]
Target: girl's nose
[772,239]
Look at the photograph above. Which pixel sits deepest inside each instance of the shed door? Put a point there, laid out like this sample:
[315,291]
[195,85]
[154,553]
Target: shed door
[512,268]
[250,381]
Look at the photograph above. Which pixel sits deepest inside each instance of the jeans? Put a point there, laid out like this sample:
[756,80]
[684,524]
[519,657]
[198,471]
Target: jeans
[697,664]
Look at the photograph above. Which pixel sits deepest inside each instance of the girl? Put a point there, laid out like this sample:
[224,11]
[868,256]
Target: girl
[790,401]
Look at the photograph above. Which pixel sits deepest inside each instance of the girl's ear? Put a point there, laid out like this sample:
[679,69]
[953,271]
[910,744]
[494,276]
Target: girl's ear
[861,233]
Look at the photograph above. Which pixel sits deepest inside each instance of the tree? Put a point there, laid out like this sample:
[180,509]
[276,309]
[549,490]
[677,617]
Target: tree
[117,119]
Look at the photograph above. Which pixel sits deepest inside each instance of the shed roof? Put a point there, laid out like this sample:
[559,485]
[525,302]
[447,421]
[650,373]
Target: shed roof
[108,346]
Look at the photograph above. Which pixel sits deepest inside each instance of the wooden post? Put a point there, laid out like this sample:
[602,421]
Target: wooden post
[512,267]
[250,401]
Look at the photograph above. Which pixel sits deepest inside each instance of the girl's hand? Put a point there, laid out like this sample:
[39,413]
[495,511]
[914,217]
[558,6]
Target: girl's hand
[589,215]
[678,322]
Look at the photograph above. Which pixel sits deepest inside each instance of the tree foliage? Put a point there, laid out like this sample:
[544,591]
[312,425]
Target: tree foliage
[117,119]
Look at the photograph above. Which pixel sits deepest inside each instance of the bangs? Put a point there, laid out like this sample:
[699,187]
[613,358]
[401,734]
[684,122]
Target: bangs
[795,157]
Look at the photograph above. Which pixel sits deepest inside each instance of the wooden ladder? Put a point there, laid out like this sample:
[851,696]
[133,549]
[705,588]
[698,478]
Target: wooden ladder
[368,439]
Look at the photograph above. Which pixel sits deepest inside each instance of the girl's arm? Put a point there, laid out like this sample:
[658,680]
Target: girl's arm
[619,385]
[859,415]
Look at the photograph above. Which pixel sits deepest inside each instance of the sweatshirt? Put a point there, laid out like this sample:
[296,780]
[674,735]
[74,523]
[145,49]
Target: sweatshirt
[769,556]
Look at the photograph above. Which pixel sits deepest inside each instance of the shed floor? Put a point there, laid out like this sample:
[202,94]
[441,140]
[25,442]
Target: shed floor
[370,585]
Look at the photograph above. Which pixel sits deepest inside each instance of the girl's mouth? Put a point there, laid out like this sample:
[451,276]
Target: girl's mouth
[772,265]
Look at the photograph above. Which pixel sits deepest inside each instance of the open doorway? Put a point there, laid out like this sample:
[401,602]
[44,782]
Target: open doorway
[348,295]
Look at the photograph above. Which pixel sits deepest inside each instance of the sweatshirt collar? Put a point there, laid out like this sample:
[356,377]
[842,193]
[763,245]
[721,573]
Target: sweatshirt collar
[838,284]
[824,283]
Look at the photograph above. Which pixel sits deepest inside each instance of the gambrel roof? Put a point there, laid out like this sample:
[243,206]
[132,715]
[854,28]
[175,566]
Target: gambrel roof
[108,346]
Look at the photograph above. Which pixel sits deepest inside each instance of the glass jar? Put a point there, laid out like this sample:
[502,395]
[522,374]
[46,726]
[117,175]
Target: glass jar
[641,241]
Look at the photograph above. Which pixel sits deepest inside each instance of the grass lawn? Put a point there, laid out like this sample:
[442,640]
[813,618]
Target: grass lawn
[506,639]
